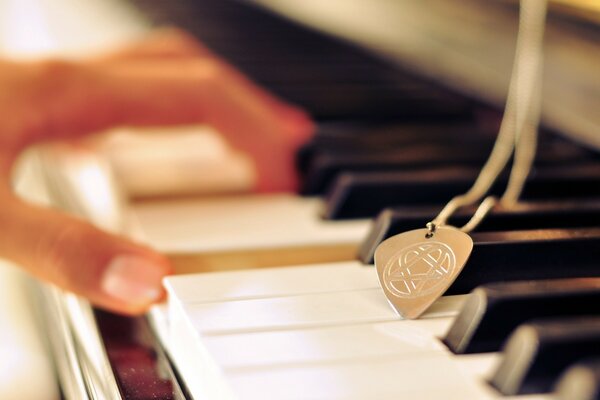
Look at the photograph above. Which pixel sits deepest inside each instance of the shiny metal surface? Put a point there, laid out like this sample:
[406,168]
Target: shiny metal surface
[416,267]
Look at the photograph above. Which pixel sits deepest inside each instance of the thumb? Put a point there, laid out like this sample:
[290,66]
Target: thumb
[110,271]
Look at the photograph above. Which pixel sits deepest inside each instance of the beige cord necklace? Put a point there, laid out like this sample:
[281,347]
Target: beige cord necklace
[416,267]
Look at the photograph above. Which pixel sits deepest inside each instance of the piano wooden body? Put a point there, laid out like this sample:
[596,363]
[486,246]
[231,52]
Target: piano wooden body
[298,313]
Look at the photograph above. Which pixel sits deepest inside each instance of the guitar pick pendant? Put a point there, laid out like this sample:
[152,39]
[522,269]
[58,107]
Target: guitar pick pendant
[416,267]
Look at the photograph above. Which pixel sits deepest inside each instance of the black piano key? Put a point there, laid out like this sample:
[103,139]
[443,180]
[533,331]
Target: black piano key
[530,255]
[354,147]
[481,126]
[389,157]
[538,352]
[365,194]
[326,167]
[493,311]
[522,216]
[580,382]
[359,138]
[354,136]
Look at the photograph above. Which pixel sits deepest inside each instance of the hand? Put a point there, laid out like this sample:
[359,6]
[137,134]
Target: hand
[167,79]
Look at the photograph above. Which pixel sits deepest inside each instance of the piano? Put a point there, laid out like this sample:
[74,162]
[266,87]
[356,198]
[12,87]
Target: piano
[279,314]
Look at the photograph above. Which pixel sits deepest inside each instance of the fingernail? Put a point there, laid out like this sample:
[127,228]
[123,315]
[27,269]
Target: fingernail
[133,280]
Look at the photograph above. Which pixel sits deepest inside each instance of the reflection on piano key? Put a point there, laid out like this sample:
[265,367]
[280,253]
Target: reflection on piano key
[267,283]
[380,378]
[305,346]
[291,312]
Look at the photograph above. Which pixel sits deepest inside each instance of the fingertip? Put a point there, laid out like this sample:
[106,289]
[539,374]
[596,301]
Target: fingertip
[299,126]
[298,115]
[133,283]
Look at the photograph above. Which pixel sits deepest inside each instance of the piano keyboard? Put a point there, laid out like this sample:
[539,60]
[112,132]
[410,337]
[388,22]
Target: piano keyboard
[335,81]
[391,146]
[314,332]
[253,230]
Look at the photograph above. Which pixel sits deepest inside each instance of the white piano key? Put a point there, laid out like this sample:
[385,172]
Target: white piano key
[429,377]
[195,364]
[27,369]
[488,392]
[480,365]
[479,368]
[281,333]
[291,312]
[368,305]
[181,160]
[271,282]
[240,223]
[406,339]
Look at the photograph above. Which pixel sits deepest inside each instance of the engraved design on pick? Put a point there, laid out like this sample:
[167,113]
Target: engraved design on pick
[419,269]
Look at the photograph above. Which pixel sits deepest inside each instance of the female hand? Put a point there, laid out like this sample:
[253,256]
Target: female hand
[167,79]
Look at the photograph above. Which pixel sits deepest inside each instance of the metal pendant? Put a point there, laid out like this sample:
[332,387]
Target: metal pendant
[416,267]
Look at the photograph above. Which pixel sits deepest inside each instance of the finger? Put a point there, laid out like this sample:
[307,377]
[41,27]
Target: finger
[111,272]
[164,93]
[251,119]
[172,43]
